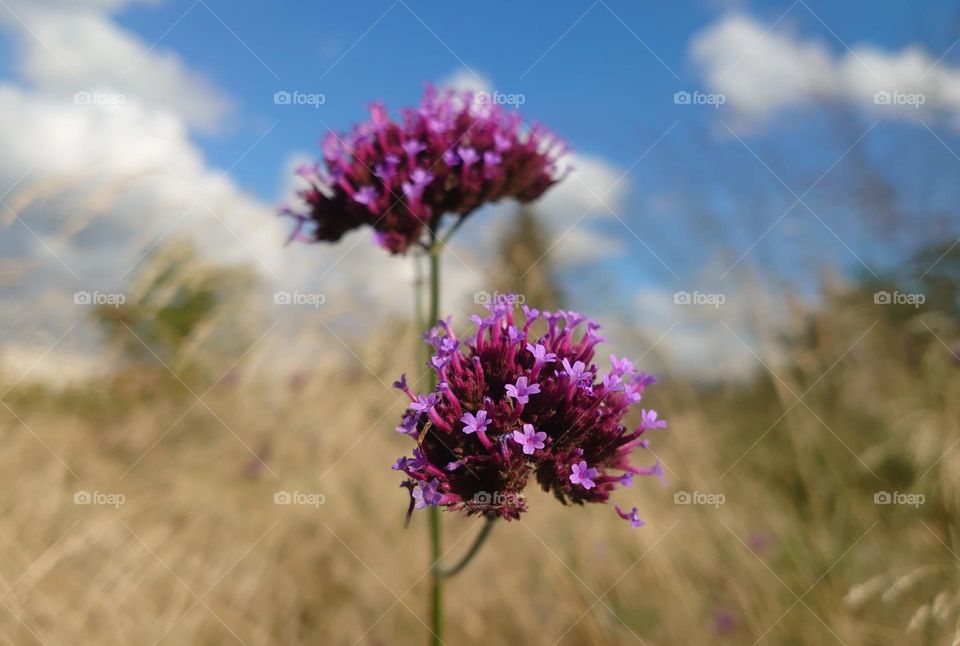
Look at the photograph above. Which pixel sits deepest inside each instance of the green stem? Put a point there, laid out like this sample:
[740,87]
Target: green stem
[418,306]
[436,586]
[445,573]
[438,573]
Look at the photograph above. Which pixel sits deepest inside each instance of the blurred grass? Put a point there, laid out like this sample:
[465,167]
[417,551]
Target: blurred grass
[858,399]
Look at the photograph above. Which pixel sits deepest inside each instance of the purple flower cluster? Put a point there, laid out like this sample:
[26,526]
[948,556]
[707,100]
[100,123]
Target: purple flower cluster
[451,155]
[511,405]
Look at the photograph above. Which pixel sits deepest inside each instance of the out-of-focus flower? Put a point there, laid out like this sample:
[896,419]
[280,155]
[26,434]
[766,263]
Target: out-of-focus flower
[760,541]
[724,621]
[450,155]
[500,416]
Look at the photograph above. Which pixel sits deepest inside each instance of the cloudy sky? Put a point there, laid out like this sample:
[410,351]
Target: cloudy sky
[129,123]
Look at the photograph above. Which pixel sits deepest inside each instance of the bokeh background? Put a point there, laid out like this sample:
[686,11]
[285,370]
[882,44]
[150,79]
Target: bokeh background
[763,213]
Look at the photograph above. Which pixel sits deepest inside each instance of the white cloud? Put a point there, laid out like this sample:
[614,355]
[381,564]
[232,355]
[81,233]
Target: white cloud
[99,184]
[76,47]
[707,341]
[107,182]
[572,213]
[762,73]
[464,79]
[104,185]
[129,180]
[576,210]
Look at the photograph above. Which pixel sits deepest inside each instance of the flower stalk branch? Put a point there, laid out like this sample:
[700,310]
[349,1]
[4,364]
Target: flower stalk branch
[453,570]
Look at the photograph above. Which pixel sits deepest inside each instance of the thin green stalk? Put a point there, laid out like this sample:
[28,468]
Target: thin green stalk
[438,573]
[436,545]
[418,308]
[436,586]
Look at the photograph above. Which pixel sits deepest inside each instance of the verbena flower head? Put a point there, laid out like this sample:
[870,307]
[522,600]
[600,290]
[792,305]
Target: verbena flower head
[512,405]
[452,155]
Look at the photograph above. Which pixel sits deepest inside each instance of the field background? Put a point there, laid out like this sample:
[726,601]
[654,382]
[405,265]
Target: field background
[198,435]
[168,367]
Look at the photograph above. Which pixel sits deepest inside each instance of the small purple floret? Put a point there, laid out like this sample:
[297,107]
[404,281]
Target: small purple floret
[529,439]
[521,391]
[473,423]
[582,475]
[540,354]
[632,516]
[649,420]
[424,403]
[426,494]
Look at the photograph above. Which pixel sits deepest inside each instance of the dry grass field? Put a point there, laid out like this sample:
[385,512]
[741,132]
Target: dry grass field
[197,411]
[182,542]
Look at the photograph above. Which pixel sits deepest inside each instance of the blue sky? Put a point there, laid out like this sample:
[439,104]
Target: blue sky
[578,65]
[598,85]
